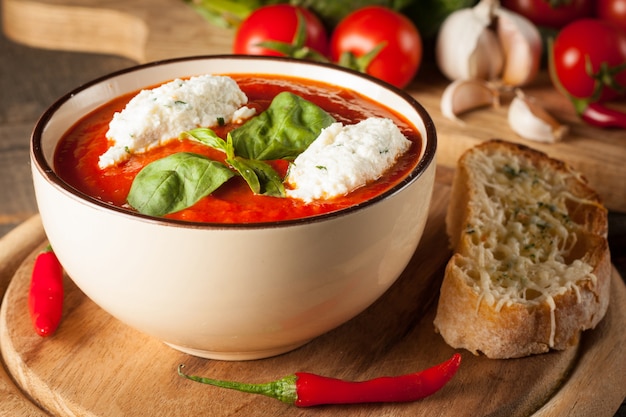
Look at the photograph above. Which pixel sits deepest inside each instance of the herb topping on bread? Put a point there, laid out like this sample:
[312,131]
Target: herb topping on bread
[531,267]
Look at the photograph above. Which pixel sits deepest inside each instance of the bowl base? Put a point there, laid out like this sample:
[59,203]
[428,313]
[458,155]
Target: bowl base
[238,355]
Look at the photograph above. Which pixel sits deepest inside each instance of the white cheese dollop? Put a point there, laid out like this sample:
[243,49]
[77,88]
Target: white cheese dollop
[158,115]
[344,158]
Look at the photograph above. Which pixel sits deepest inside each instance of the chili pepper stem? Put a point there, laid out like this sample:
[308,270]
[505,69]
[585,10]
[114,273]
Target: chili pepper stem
[283,389]
[599,115]
[304,389]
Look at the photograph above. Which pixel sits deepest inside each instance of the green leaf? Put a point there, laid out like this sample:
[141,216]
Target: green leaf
[333,11]
[225,13]
[261,178]
[428,15]
[283,131]
[176,182]
[206,136]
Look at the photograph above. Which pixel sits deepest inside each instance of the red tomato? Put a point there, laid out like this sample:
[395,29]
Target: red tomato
[601,44]
[612,10]
[361,31]
[278,23]
[551,13]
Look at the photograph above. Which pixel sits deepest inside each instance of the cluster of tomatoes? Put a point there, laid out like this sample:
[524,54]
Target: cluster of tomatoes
[589,50]
[378,39]
[588,55]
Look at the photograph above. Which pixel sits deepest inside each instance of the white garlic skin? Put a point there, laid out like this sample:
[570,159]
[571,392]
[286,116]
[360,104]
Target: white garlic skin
[464,95]
[490,43]
[467,48]
[521,43]
[531,121]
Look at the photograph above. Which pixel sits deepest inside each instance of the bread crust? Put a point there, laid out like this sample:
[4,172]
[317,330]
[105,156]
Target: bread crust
[511,330]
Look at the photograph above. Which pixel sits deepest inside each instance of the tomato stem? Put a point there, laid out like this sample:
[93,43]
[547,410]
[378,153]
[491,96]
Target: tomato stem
[360,63]
[604,77]
[297,48]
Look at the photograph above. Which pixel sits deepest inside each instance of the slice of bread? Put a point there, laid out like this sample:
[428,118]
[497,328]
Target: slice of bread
[531,267]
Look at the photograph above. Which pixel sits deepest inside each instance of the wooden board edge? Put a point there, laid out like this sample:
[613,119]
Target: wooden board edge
[577,397]
[602,363]
[14,248]
[16,245]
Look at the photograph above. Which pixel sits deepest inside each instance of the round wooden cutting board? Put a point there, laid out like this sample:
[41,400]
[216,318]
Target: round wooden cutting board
[96,366]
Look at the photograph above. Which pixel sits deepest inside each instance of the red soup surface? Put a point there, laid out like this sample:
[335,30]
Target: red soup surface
[76,157]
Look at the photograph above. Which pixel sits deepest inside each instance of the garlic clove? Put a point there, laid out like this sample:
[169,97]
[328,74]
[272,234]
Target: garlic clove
[531,121]
[466,47]
[489,42]
[464,95]
[521,44]
[487,60]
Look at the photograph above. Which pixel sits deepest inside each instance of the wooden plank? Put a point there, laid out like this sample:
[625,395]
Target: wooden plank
[139,30]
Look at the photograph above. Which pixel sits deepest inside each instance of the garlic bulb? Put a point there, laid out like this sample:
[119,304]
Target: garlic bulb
[466,47]
[531,121]
[467,94]
[490,43]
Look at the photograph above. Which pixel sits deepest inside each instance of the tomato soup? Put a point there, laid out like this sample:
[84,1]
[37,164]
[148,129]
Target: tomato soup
[76,157]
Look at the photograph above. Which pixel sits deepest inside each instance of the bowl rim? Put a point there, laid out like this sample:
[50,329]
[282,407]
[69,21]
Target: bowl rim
[49,174]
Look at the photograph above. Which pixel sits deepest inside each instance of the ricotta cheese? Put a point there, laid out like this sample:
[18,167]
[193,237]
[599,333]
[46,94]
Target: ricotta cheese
[344,158]
[158,115]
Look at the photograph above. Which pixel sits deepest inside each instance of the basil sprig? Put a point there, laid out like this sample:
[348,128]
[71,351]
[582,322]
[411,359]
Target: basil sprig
[178,181]
[283,131]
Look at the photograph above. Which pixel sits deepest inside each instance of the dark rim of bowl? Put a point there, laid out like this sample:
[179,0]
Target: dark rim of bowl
[48,172]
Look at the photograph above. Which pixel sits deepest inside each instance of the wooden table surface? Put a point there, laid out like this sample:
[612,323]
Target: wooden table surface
[31,79]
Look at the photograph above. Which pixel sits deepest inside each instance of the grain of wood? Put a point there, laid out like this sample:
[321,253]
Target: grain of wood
[14,247]
[95,365]
[169,29]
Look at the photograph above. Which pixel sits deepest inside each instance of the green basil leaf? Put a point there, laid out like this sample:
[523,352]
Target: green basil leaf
[283,131]
[206,136]
[261,178]
[176,182]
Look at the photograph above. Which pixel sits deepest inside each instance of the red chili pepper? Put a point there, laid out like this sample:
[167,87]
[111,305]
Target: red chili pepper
[305,390]
[45,296]
[599,115]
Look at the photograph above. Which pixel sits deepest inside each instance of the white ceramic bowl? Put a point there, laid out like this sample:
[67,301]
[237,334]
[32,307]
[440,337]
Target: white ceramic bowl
[231,292]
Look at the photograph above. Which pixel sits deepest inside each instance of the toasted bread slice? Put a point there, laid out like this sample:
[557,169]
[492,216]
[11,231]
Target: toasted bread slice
[531,267]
